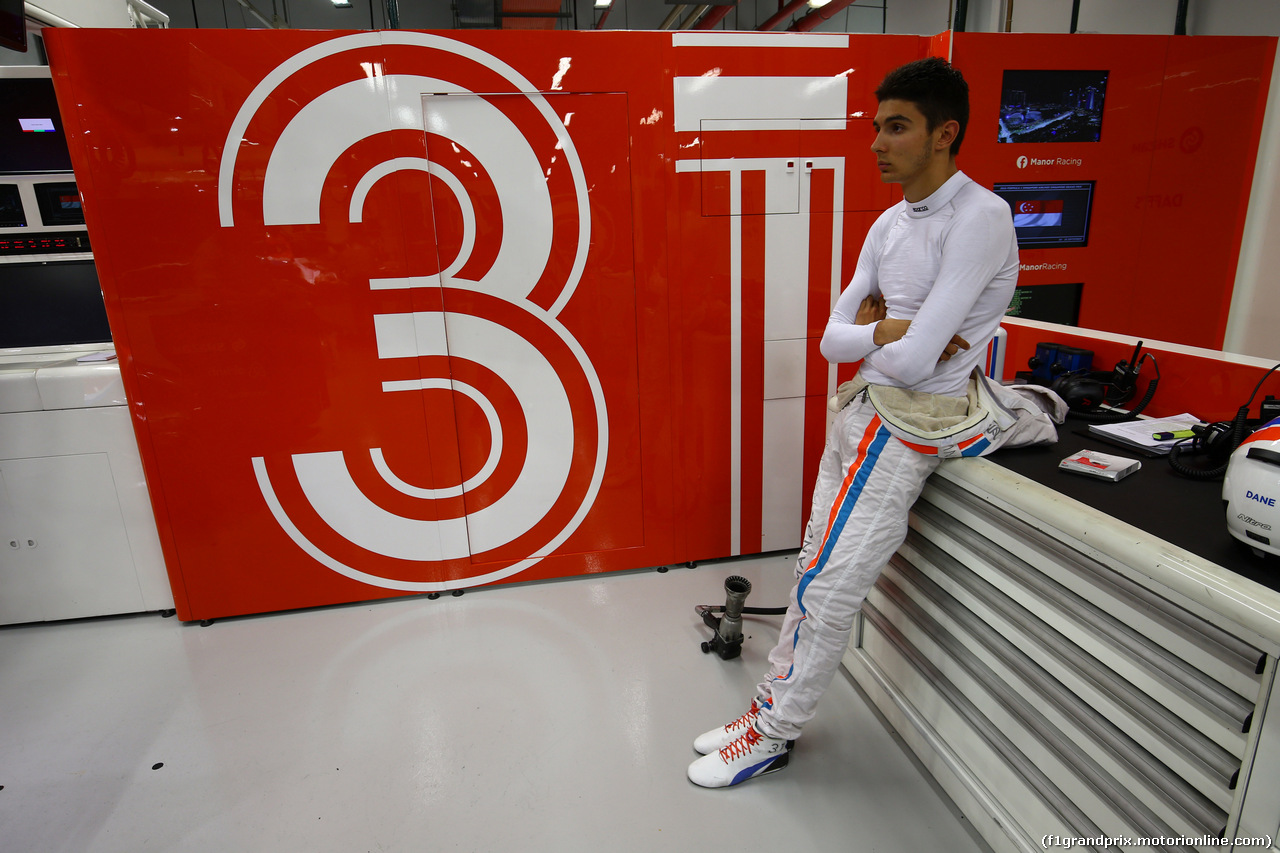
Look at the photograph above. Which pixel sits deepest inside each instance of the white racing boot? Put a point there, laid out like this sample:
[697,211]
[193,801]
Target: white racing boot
[718,738]
[751,755]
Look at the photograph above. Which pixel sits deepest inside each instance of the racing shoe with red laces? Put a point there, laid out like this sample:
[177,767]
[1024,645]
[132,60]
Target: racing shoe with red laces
[718,738]
[751,755]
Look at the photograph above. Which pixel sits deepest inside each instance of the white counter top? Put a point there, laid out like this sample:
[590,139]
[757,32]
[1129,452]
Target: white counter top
[86,376]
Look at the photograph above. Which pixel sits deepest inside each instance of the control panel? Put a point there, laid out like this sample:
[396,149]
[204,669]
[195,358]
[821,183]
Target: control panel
[75,241]
[41,215]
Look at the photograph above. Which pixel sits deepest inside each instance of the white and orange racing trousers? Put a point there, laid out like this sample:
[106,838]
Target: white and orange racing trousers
[867,482]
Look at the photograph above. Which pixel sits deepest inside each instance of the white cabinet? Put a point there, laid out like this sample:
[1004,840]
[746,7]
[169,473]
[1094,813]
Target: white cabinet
[77,535]
[65,550]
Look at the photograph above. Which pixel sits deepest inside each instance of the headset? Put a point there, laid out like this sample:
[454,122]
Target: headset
[1086,391]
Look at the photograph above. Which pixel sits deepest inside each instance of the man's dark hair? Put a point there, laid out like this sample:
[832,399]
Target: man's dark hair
[936,88]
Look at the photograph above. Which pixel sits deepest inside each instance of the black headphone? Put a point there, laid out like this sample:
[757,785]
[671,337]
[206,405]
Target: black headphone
[1086,391]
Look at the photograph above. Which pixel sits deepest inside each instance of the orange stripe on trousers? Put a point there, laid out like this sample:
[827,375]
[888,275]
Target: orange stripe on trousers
[867,436]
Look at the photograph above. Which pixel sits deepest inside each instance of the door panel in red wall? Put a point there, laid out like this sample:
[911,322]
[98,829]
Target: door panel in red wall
[546,316]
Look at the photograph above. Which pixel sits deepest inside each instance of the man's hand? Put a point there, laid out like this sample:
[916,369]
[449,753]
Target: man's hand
[957,343]
[871,310]
[890,330]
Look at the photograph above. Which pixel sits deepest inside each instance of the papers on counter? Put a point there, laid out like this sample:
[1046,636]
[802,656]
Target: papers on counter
[1140,433]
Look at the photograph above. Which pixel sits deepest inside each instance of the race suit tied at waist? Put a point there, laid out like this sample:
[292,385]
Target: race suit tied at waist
[989,416]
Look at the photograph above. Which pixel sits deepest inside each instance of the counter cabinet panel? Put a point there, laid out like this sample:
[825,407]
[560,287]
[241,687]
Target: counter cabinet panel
[1057,689]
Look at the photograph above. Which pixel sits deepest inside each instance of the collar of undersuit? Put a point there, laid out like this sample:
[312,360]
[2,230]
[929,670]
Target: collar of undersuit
[940,197]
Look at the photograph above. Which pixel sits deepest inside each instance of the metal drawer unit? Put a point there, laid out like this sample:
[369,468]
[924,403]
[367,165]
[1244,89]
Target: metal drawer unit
[1071,677]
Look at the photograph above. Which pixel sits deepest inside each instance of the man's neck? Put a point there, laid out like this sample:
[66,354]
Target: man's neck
[927,184]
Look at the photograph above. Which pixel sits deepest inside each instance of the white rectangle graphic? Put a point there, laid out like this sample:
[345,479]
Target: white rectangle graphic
[782,471]
[784,368]
[410,335]
[736,39]
[728,98]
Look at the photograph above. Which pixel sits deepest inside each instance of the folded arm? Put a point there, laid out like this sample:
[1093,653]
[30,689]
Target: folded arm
[909,349]
[850,331]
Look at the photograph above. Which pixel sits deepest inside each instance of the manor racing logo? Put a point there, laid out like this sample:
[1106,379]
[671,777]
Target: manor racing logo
[1024,161]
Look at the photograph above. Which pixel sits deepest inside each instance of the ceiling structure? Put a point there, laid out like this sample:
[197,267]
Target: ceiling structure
[765,15]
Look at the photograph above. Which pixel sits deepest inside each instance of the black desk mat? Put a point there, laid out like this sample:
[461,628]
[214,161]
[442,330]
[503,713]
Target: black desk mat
[1185,512]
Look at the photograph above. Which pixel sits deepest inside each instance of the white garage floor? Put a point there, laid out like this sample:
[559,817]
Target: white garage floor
[552,716]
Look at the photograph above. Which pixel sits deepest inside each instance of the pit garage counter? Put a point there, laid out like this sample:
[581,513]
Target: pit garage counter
[77,534]
[1074,658]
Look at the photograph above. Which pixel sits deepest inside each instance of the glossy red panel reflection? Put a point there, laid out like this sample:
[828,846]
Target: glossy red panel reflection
[404,312]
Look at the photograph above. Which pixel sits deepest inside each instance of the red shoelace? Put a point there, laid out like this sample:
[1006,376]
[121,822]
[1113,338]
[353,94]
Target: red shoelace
[741,746]
[745,720]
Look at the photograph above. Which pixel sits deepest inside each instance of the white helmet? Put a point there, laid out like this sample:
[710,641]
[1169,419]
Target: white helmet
[1251,490]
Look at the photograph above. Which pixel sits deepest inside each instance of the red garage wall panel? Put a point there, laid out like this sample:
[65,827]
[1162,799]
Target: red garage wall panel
[1172,178]
[404,312]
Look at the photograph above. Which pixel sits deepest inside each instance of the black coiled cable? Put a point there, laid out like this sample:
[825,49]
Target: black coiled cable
[1209,439]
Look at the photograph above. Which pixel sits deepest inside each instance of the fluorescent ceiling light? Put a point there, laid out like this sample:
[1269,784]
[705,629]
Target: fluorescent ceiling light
[603,4]
[342,4]
[818,4]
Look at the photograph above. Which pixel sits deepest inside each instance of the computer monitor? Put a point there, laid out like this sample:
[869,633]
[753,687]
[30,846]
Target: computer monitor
[12,214]
[13,25]
[1049,214]
[59,203]
[51,304]
[33,139]
[1052,106]
[1050,303]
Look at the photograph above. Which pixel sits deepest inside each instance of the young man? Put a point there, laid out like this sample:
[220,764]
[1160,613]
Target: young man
[935,275]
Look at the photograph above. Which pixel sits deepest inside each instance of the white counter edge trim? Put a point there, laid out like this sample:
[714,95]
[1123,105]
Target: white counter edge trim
[1248,603]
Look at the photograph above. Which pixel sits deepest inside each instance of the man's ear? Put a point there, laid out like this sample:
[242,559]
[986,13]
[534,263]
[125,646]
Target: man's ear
[948,132]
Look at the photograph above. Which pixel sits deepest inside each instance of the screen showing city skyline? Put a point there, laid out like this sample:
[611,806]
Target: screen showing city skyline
[1052,106]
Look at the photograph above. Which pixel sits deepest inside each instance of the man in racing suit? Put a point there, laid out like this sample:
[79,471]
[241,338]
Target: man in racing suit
[935,275]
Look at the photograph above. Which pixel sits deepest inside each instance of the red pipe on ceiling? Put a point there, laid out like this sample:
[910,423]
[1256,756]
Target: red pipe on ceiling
[817,16]
[782,14]
[714,17]
[522,14]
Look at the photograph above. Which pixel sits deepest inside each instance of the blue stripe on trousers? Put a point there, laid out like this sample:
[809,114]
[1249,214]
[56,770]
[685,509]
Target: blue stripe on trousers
[865,468]
[846,509]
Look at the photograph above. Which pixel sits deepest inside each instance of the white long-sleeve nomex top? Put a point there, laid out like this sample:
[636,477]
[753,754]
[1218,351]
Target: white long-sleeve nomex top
[948,264]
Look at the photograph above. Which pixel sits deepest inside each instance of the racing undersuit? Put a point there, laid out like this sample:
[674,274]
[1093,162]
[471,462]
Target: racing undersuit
[949,264]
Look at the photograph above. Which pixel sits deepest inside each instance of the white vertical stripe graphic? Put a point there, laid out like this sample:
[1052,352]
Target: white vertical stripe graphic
[837,255]
[735,362]
[786,300]
[786,295]
[783,474]
[786,262]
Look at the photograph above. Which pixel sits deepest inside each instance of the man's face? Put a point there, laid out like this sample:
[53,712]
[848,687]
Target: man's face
[903,146]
